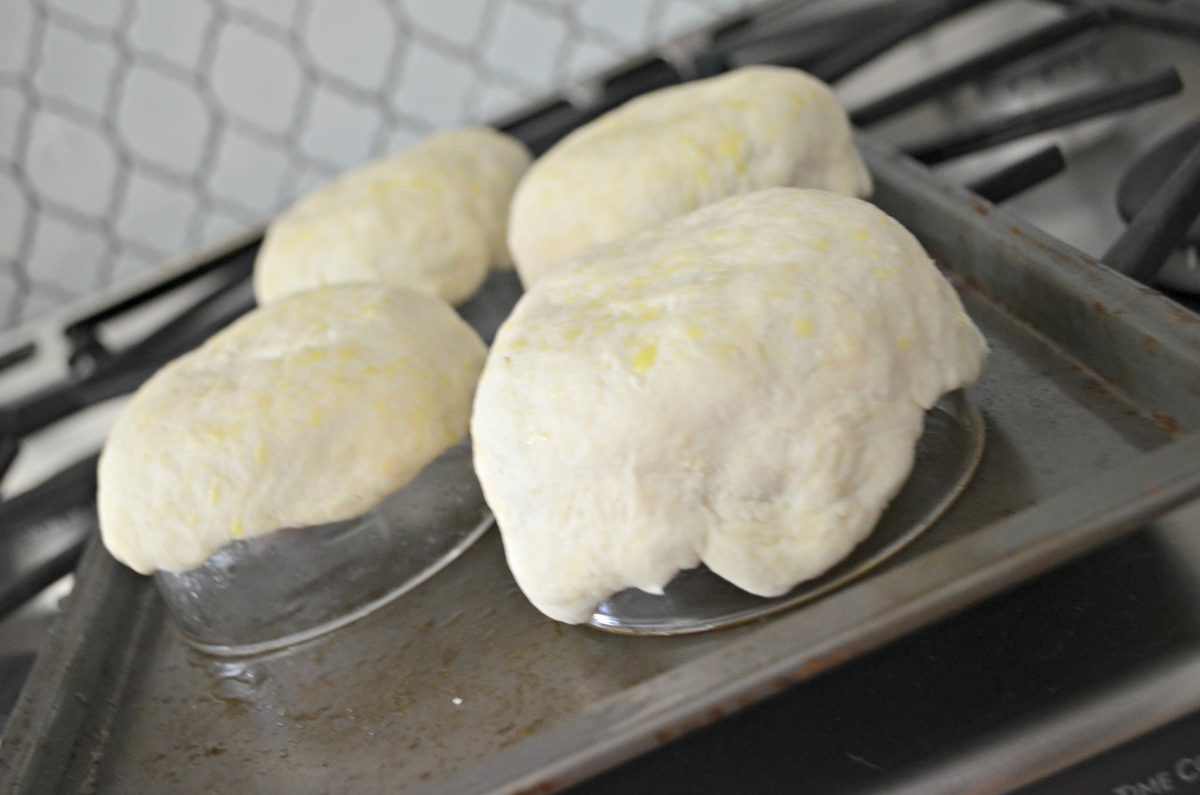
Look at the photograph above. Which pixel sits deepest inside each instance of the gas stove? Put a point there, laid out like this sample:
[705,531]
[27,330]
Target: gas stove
[1069,683]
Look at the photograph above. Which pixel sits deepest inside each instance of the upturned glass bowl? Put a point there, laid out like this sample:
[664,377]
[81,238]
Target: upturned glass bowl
[697,600]
[264,593]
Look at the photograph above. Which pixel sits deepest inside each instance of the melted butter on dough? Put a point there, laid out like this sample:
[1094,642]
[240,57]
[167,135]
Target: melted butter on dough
[744,399]
[430,219]
[674,150]
[310,410]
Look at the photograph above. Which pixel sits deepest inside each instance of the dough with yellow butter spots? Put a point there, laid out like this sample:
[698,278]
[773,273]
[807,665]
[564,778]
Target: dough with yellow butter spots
[671,151]
[743,386]
[310,410]
[430,219]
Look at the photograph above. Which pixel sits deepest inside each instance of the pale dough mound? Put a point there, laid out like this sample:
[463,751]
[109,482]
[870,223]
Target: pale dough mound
[310,410]
[675,150]
[431,219]
[743,386]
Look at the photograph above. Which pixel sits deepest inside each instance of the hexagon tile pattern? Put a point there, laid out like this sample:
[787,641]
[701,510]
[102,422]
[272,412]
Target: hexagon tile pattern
[134,131]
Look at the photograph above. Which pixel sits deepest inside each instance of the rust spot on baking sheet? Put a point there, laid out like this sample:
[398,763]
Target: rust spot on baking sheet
[527,730]
[541,788]
[820,665]
[1049,251]
[1182,315]
[1095,385]
[980,209]
[1153,491]
[672,733]
[1166,422]
[1103,309]
[1151,346]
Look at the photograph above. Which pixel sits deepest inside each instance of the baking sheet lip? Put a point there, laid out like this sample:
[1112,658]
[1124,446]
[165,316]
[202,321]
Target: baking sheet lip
[1018,548]
[1073,270]
[110,605]
[1141,343]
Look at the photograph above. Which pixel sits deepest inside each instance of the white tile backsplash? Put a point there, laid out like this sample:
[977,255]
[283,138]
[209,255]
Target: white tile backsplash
[10,291]
[589,58]
[624,22]
[457,23]
[163,119]
[436,86]
[169,30]
[400,139]
[12,112]
[248,173]
[38,299]
[352,40]
[281,13]
[62,252]
[104,14]
[311,178]
[17,37]
[135,130]
[220,224]
[71,163]
[156,213]
[679,17]
[13,214]
[497,98]
[127,262]
[75,69]
[256,77]
[338,129]
[509,50]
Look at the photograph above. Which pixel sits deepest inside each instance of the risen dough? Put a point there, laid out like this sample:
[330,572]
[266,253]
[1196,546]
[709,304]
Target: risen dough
[311,410]
[674,150]
[742,386]
[430,219]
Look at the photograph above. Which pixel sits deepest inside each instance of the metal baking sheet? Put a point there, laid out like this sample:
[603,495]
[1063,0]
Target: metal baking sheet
[461,686]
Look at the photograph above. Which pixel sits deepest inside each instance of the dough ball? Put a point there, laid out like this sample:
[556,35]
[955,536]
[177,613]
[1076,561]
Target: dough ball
[310,410]
[743,386]
[430,219]
[674,150]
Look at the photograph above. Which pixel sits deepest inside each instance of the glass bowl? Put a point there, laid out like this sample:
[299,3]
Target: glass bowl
[697,600]
[264,593]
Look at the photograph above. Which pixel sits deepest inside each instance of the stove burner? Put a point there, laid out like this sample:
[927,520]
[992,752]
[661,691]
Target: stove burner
[1021,175]
[1076,108]
[1162,222]
[1145,176]
[980,65]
